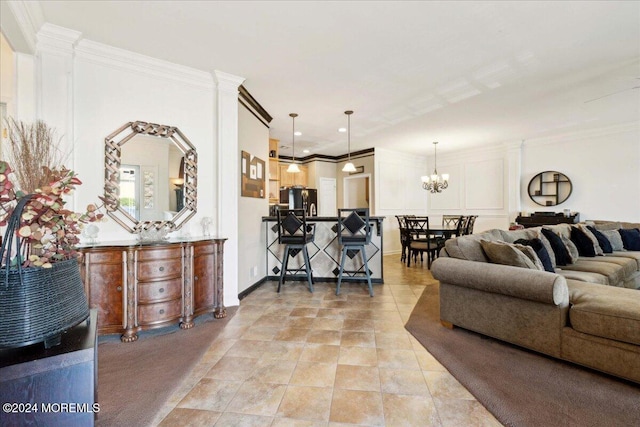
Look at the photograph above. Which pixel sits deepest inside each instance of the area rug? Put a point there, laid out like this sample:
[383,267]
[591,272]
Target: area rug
[136,379]
[521,387]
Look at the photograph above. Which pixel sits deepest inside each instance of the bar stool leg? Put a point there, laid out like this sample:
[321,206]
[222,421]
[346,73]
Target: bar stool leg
[366,266]
[344,257]
[307,265]
[283,272]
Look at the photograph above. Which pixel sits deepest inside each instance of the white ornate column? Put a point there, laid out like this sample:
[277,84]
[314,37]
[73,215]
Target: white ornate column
[228,177]
[54,83]
[514,158]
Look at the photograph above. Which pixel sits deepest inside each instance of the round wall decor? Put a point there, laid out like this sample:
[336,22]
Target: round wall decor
[550,188]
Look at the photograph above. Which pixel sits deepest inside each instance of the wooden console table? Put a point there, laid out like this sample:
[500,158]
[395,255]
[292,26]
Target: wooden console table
[137,286]
[55,386]
[538,220]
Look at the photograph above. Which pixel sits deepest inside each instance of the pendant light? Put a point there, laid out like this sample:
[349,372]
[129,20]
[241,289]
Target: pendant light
[293,167]
[349,167]
[435,183]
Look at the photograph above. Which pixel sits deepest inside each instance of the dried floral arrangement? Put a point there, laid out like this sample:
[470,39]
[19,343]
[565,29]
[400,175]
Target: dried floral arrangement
[48,230]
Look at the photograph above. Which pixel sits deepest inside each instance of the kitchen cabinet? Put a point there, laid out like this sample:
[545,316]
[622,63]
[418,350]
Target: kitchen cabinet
[290,179]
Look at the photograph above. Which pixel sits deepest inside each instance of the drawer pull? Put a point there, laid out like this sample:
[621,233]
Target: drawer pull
[161,290]
[161,311]
[161,268]
[119,289]
[195,278]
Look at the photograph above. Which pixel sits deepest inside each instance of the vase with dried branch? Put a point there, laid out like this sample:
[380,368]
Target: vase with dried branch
[41,290]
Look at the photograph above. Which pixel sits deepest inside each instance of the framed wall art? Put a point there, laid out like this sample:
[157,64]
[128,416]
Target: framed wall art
[252,171]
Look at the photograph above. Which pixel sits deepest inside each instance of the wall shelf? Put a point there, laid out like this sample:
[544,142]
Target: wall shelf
[549,188]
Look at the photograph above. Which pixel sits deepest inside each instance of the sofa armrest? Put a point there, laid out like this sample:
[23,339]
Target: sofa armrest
[533,285]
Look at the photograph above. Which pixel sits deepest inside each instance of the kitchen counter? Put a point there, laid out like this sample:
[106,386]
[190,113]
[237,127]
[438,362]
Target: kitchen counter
[324,251]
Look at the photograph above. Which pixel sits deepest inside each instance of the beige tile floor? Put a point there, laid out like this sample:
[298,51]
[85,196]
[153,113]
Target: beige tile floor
[302,359]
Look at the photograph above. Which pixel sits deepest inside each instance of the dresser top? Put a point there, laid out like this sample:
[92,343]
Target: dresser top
[137,243]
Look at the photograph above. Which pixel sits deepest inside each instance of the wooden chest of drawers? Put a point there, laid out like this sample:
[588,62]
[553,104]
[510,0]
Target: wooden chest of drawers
[135,287]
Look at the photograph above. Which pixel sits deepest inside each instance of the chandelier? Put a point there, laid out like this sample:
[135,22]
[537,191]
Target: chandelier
[293,167]
[435,183]
[349,167]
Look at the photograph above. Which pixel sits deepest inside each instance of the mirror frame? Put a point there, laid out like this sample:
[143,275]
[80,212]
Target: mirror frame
[112,163]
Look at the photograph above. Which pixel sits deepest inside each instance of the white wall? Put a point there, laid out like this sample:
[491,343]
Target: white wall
[482,182]
[604,168]
[398,191]
[7,75]
[253,137]
[87,90]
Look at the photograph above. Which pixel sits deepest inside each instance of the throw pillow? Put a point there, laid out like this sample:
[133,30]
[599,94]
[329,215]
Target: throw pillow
[604,243]
[559,249]
[630,238]
[596,244]
[508,254]
[613,236]
[547,246]
[583,243]
[571,248]
[540,251]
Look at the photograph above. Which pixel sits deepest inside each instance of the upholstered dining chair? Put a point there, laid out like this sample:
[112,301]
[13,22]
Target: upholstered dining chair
[354,233]
[295,234]
[404,237]
[422,240]
[469,224]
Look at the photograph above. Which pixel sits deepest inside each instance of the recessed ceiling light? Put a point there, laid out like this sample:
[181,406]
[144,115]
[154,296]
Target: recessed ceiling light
[297,133]
[342,130]
[305,151]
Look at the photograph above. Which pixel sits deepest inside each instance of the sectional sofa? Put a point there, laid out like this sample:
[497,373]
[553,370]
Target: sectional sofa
[586,312]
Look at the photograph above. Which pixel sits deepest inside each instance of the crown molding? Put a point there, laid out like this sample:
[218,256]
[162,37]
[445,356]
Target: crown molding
[23,24]
[331,159]
[54,39]
[588,133]
[227,82]
[254,106]
[126,60]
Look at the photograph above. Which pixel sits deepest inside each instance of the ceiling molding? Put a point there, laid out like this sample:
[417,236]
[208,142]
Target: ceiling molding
[54,39]
[589,133]
[21,21]
[254,106]
[122,59]
[333,159]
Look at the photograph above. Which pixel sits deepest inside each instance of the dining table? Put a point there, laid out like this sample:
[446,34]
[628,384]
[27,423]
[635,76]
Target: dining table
[420,227]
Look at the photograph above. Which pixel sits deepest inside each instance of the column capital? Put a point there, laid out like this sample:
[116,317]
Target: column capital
[54,39]
[226,81]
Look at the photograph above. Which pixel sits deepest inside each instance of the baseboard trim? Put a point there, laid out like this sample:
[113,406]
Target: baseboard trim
[251,288]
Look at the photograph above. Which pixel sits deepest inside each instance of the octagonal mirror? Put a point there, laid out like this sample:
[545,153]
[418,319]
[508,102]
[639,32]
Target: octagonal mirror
[150,177]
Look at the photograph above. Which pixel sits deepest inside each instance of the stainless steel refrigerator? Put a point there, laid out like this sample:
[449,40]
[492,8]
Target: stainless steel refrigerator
[300,198]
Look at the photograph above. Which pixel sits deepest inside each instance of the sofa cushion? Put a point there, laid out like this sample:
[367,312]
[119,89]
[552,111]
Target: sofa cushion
[541,252]
[583,276]
[630,238]
[629,265]
[559,249]
[612,313]
[613,236]
[635,255]
[583,243]
[511,254]
[468,247]
[604,243]
[607,225]
[613,272]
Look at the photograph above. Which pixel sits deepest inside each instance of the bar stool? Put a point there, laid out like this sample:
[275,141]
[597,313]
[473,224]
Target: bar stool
[354,233]
[294,233]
